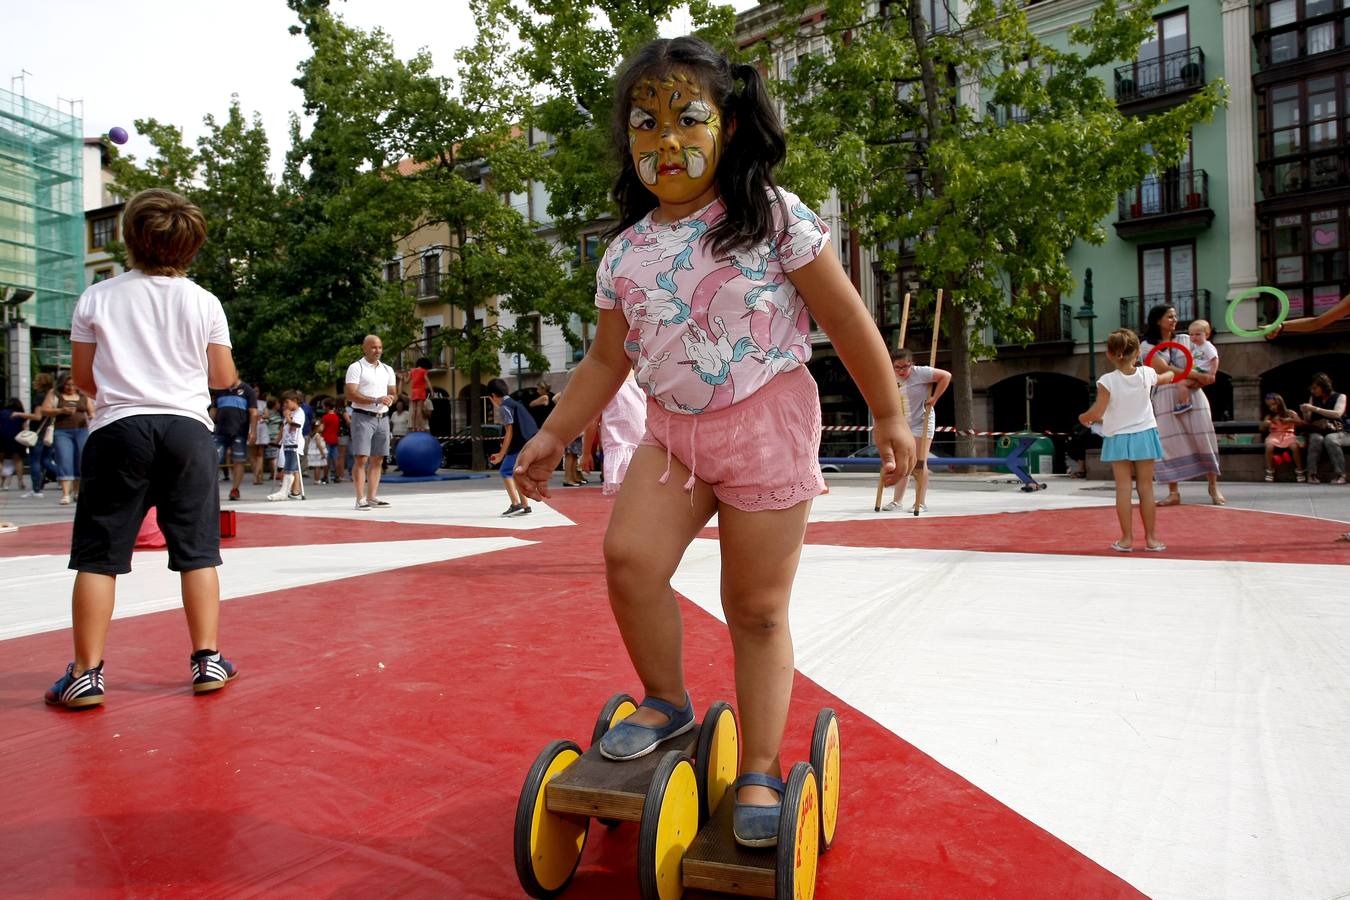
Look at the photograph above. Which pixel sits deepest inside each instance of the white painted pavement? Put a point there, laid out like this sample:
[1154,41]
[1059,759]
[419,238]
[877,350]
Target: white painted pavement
[1185,724]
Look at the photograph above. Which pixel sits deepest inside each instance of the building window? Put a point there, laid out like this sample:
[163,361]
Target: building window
[102,232]
[587,251]
[1305,255]
[586,332]
[429,348]
[102,274]
[1303,134]
[1288,30]
[429,283]
[393,272]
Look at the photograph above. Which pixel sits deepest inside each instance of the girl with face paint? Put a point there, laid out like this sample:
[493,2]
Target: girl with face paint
[707,292]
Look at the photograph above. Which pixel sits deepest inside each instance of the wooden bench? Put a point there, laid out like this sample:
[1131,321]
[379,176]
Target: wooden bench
[1242,456]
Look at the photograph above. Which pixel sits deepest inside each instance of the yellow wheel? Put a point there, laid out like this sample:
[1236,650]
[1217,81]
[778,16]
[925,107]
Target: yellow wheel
[798,836]
[669,823]
[825,760]
[547,846]
[615,710]
[718,761]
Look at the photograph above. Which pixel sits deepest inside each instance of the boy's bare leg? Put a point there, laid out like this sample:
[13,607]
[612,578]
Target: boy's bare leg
[514,493]
[921,470]
[201,603]
[91,609]
[760,551]
[649,530]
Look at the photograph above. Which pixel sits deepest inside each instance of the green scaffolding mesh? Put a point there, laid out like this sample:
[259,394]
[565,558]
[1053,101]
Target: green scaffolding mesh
[41,209]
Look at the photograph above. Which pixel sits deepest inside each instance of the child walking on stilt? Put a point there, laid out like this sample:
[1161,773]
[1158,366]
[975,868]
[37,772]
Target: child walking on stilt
[1131,445]
[707,292]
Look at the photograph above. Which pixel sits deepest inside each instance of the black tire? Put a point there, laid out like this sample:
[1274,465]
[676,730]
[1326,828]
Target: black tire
[786,872]
[720,714]
[531,795]
[657,882]
[826,723]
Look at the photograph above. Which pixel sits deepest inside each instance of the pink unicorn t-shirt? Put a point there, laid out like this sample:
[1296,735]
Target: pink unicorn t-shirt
[705,332]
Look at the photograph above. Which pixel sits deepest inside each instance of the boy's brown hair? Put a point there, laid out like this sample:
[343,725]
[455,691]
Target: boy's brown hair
[163,232]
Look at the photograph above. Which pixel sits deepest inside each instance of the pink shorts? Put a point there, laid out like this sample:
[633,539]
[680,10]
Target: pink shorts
[760,453]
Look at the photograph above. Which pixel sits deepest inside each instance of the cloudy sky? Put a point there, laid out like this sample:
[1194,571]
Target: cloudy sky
[177,60]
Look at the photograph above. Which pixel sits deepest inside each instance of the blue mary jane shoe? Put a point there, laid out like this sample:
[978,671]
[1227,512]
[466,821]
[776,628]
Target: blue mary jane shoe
[757,826]
[629,741]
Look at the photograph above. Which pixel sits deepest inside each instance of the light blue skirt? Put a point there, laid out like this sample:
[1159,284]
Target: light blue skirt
[1134,446]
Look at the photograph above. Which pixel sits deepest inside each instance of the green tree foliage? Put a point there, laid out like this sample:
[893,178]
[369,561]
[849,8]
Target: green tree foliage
[989,204]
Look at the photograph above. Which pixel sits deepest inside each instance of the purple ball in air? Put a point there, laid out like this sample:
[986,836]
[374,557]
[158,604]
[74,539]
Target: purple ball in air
[117,134]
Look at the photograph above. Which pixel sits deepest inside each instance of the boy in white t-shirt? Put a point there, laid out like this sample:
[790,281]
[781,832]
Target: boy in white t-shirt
[1204,359]
[292,439]
[147,345]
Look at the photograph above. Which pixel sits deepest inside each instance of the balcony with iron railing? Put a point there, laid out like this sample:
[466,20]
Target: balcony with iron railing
[1190,305]
[428,285]
[1175,201]
[1146,85]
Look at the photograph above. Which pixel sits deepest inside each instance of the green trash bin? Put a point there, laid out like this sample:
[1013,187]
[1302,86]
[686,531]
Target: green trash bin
[1040,456]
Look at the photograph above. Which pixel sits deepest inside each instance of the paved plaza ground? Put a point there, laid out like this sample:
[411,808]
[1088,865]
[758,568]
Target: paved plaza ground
[1023,711]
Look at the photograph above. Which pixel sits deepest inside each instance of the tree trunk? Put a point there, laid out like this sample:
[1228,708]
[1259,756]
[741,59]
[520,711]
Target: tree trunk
[963,397]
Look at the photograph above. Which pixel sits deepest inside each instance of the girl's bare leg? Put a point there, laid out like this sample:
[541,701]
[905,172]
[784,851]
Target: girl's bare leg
[1147,505]
[649,530]
[760,551]
[1123,470]
[921,445]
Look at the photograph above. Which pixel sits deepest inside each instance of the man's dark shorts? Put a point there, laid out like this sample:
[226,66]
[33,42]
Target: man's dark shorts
[168,462]
[236,445]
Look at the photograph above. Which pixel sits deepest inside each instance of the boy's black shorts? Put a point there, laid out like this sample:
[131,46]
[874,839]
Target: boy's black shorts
[168,462]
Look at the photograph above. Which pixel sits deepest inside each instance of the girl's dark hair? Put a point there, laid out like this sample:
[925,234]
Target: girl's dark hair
[1152,333]
[753,142]
[1279,402]
[1123,344]
[15,404]
[423,362]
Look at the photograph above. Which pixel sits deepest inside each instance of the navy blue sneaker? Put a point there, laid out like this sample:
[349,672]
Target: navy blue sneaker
[627,740]
[757,826]
[211,672]
[77,691]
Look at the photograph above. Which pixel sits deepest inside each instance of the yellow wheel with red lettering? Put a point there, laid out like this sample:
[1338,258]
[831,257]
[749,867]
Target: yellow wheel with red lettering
[669,823]
[825,760]
[798,836]
[547,846]
[717,762]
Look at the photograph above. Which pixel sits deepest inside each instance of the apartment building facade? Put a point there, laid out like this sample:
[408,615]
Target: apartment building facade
[1260,198]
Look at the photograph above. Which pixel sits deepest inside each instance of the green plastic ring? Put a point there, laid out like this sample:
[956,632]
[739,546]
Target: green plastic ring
[1254,292]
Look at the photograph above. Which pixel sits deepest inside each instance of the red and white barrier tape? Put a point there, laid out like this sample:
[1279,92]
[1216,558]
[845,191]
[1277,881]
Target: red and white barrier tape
[950,429]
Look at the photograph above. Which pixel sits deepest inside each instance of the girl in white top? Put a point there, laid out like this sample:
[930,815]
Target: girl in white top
[1124,407]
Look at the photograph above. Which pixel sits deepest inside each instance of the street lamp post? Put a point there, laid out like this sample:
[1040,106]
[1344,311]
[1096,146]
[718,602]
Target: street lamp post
[1087,315]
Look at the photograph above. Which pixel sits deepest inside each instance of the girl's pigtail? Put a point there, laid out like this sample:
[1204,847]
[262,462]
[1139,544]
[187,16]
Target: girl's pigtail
[745,173]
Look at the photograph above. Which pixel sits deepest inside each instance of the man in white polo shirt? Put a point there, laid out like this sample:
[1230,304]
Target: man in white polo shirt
[372,389]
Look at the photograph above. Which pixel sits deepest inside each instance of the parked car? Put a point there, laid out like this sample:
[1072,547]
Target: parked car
[457,449]
[865,460]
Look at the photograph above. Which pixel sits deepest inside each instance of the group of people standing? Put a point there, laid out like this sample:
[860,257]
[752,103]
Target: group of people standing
[60,421]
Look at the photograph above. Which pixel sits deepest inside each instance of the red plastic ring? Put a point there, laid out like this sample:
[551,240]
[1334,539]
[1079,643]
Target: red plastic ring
[1185,351]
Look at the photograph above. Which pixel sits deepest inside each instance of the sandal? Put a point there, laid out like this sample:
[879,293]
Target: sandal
[1170,500]
[754,825]
[1218,499]
[1155,548]
[628,740]
[1121,548]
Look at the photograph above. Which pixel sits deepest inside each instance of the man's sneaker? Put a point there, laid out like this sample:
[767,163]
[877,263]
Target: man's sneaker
[523,511]
[513,509]
[211,672]
[77,691]
[363,504]
[377,502]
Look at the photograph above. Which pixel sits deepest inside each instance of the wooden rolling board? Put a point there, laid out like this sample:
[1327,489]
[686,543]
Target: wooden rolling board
[595,786]
[715,862]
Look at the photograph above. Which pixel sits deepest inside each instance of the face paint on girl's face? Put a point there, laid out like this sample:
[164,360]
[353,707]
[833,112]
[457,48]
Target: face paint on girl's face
[675,137]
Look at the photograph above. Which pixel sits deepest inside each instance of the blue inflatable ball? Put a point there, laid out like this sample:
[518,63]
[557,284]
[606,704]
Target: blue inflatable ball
[118,135]
[418,454]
